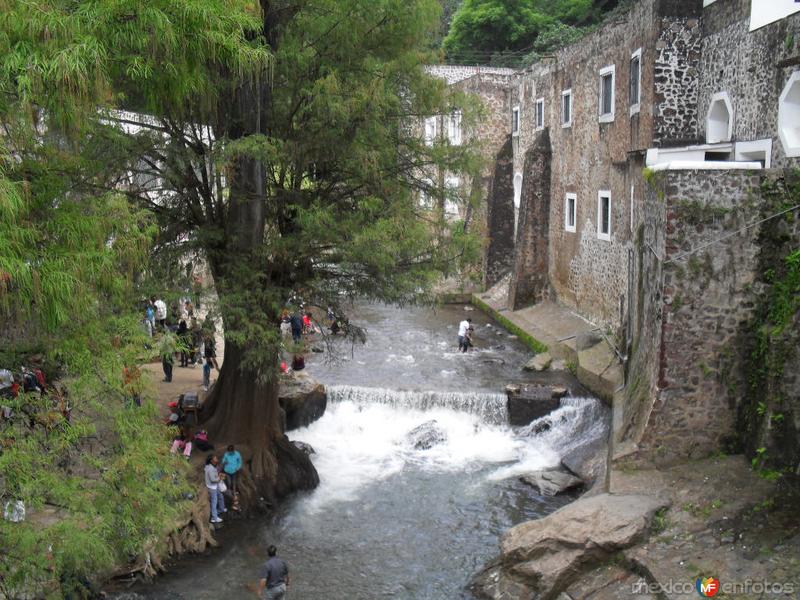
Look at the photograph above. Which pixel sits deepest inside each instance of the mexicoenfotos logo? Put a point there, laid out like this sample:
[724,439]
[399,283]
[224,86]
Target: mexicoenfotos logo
[708,587]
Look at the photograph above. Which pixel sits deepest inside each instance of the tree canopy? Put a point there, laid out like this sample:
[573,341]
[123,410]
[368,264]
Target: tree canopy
[275,141]
[485,31]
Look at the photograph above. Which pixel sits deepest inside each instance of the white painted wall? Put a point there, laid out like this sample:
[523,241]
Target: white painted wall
[764,12]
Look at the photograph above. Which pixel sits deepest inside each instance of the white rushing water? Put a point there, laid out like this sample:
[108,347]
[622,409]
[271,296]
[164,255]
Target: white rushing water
[363,437]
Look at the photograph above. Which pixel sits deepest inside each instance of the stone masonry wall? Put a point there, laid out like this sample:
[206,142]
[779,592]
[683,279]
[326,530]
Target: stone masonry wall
[633,407]
[499,254]
[704,299]
[529,274]
[677,55]
[752,67]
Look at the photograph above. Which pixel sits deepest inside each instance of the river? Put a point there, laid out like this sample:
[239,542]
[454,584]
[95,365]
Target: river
[389,520]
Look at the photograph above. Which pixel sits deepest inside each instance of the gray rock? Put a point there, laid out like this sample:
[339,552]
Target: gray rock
[550,483]
[586,340]
[588,461]
[540,362]
[307,448]
[540,558]
[426,436]
[302,398]
[526,403]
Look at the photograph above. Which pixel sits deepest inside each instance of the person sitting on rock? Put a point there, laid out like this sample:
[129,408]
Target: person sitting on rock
[180,443]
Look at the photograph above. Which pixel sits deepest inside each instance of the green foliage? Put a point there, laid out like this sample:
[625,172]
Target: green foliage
[100,487]
[661,521]
[508,32]
[770,343]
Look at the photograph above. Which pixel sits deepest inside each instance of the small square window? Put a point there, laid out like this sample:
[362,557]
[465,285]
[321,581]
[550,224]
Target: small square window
[570,212]
[636,81]
[515,121]
[540,113]
[566,108]
[607,94]
[604,215]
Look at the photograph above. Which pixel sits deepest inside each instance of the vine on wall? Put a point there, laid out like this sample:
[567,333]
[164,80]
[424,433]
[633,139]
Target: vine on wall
[770,408]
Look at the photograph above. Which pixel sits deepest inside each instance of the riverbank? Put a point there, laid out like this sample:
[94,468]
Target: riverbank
[654,535]
[642,532]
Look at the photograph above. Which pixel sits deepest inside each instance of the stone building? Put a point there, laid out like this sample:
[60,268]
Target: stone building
[633,163]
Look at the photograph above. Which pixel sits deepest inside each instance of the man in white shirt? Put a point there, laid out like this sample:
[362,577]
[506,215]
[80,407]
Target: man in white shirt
[463,334]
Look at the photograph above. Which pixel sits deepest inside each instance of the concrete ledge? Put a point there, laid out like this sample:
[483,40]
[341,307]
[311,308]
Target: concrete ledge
[528,339]
[548,327]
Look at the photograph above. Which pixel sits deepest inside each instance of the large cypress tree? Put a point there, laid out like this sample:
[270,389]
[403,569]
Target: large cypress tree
[278,141]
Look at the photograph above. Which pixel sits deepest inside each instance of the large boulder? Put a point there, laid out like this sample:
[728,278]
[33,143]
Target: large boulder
[552,482]
[540,558]
[302,398]
[527,403]
[426,436]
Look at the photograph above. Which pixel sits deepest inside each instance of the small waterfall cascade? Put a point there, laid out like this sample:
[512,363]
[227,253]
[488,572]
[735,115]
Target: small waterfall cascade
[489,407]
[577,422]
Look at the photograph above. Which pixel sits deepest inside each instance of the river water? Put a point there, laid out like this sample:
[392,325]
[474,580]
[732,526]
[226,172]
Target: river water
[389,520]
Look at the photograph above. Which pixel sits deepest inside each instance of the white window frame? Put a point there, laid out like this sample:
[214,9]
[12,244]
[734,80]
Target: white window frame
[567,197]
[788,111]
[635,106]
[430,139]
[724,99]
[539,102]
[452,183]
[568,94]
[454,128]
[601,235]
[602,73]
[516,121]
[632,193]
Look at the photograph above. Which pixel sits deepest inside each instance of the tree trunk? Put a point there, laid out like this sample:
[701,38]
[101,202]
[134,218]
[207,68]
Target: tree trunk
[242,407]
[244,411]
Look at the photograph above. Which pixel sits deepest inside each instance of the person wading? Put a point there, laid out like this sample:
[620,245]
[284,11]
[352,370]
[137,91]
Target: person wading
[463,334]
[274,577]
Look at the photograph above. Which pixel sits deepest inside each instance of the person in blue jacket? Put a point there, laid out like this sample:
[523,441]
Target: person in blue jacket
[232,464]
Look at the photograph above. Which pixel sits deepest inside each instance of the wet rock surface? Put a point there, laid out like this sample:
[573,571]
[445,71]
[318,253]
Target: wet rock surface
[526,403]
[427,435]
[302,398]
[552,482]
[540,362]
[540,558]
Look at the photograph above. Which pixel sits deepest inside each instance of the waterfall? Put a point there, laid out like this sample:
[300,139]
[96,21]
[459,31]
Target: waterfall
[576,422]
[491,408]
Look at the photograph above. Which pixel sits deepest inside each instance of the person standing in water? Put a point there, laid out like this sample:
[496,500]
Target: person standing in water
[274,577]
[463,335]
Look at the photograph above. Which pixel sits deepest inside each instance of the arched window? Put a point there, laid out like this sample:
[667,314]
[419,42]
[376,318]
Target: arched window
[517,189]
[719,122]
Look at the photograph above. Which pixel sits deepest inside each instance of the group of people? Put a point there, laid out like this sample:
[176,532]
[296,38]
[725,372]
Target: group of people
[182,336]
[222,477]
